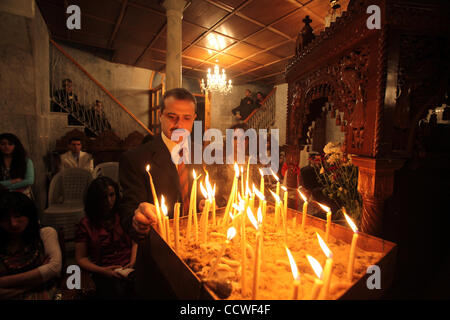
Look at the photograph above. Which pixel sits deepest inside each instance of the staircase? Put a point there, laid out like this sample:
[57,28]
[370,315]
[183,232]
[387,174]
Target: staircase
[263,117]
[86,90]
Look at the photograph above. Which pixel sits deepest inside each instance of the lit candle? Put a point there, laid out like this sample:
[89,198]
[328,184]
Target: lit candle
[351,257]
[214,204]
[166,220]
[285,212]
[262,202]
[204,219]
[242,180]
[258,248]
[261,184]
[305,209]
[277,207]
[328,211]
[155,200]
[328,270]
[278,183]
[295,274]
[230,235]
[192,204]
[176,210]
[243,251]
[231,198]
[318,283]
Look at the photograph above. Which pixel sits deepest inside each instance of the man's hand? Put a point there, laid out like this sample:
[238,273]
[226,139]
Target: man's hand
[16,180]
[144,217]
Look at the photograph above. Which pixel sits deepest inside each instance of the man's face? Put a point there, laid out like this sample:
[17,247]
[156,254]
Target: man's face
[68,86]
[75,146]
[178,114]
[259,96]
[98,107]
[247,93]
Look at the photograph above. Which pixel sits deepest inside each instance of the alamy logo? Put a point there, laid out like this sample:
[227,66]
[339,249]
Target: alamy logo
[74,280]
[374,280]
[374,20]
[258,145]
[74,20]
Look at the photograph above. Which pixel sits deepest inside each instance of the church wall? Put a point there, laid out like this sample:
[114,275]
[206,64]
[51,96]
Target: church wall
[24,84]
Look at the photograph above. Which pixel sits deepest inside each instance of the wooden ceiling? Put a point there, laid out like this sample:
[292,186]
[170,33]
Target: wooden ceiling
[252,39]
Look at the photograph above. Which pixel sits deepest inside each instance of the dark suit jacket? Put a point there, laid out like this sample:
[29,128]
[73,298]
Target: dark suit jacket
[135,183]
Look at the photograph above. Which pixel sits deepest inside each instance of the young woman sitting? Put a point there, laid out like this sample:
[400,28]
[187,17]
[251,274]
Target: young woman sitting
[30,256]
[16,169]
[101,245]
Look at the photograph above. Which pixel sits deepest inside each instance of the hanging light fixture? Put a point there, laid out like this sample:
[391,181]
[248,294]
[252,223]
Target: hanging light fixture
[216,82]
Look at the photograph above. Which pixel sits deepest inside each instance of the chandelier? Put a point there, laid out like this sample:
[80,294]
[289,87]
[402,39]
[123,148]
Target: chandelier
[216,82]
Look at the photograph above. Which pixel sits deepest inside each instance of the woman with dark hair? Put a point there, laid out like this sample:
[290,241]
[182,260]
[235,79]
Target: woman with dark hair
[101,246]
[16,169]
[30,256]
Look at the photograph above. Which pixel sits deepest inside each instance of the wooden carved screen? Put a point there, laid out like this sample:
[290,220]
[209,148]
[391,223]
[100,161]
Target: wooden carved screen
[382,80]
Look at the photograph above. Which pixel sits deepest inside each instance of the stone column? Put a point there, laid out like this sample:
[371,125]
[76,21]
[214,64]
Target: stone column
[376,185]
[174,12]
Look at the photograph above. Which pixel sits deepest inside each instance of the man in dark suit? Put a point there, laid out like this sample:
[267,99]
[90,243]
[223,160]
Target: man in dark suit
[245,107]
[137,211]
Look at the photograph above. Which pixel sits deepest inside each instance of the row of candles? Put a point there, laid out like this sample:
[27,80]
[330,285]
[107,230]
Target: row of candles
[240,207]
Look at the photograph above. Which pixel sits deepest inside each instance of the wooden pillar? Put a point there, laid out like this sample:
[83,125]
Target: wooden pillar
[376,185]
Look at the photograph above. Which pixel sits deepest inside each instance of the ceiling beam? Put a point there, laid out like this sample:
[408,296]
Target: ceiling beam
[118,23]
[264,27]
[227,17]
[263,66]
[160,32]
[309,11]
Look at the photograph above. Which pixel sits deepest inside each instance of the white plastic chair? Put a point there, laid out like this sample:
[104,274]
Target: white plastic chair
[107,169]
[65,199]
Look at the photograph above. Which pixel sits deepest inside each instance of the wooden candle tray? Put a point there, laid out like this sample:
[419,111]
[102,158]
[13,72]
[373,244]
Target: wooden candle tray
[188,286]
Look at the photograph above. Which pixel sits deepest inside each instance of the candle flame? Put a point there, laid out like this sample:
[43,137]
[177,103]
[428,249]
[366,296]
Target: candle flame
[251,217]
[274,175]
[284,188]
[147,168]
[258,193]
[163,205]
[277,198]
[324,246]
[214,191]
[203,190]
[231,233]
[259,215]
[324,208]
[350,221]
[194,174]
[315,265]
[208,187]
[260,172]
[236,170]
[302,195]
[294,267]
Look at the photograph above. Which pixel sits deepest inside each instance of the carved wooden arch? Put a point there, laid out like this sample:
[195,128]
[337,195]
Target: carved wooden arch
[326,86]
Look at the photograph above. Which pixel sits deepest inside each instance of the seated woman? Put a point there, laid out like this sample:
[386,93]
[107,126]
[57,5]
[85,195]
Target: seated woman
[30,257]
[16,169]
[101,245]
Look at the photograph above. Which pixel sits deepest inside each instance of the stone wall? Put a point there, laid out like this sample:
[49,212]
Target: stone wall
[24,83]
